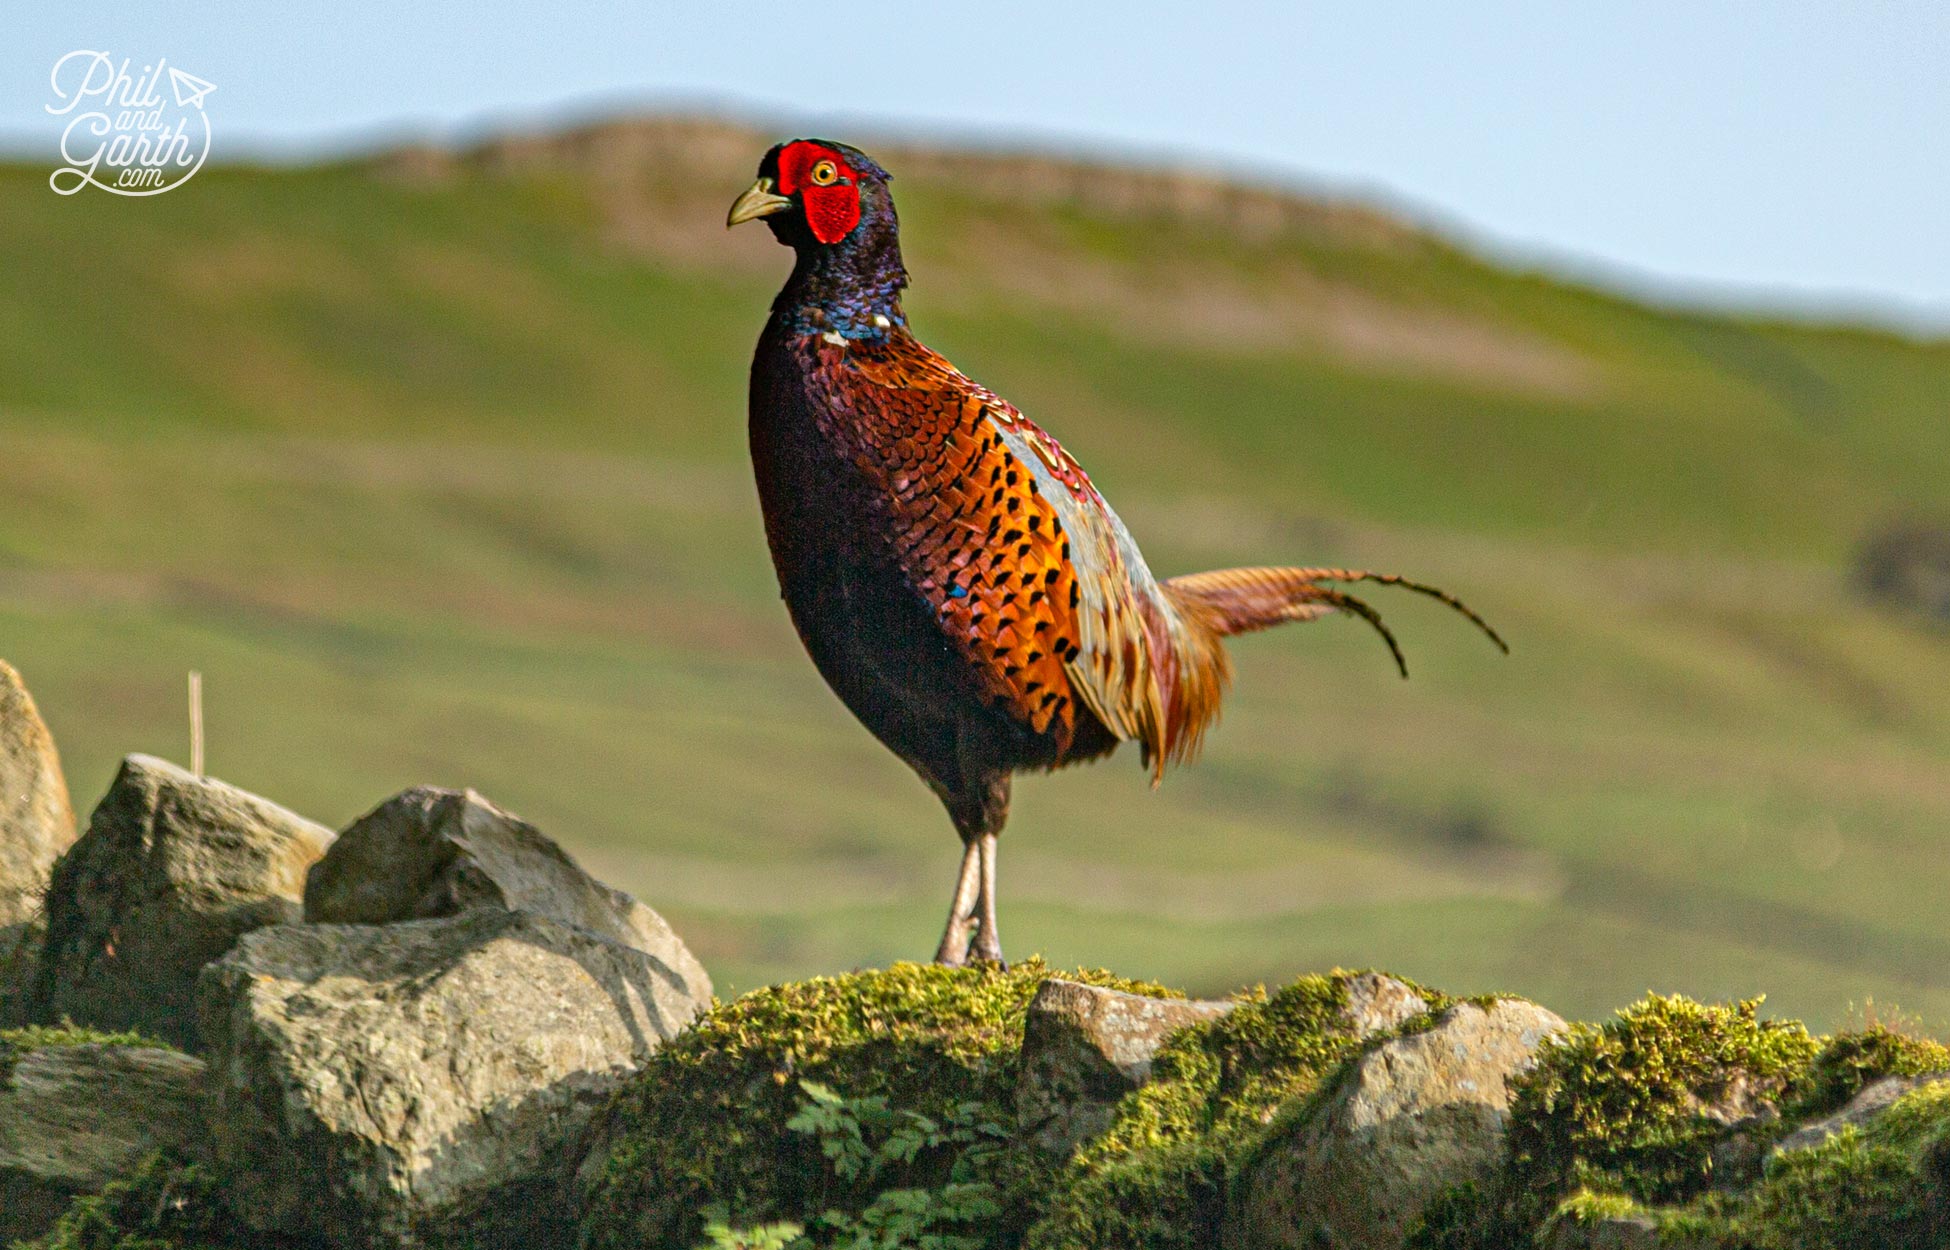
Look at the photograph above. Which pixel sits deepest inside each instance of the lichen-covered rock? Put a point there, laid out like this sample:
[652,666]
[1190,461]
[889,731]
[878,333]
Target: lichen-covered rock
[76,1115]
[1377,1002]
[1086,1046]
[1414,1115]
[173,869]
[395,1084]
[429,853]
[1864,1107]
[1157,1178]
[36,820]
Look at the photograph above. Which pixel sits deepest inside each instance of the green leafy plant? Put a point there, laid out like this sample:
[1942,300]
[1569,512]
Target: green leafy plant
[721,1236]
[874,1153]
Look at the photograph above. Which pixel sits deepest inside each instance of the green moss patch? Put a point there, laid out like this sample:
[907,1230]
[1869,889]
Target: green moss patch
[713,1134]
[1642,1099]
[1849,1062]
[1592,1206]
[1631,1108]
[1161,1175]
[703,1133]
[17,1042]
[168,1204]
[1885,1185]
[877,1110]
[1624,1119]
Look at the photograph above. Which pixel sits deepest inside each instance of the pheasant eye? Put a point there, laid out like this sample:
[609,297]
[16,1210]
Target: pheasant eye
[824,174]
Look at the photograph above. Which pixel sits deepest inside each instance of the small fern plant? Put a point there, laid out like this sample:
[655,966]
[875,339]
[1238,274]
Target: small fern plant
[898,1180]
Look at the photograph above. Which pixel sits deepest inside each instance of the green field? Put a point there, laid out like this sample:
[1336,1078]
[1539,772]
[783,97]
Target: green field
[442,480]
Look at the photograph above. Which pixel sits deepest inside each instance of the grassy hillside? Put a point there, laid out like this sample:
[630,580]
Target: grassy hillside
[435,468]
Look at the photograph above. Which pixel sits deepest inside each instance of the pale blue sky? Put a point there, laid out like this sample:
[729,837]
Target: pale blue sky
[1784,154]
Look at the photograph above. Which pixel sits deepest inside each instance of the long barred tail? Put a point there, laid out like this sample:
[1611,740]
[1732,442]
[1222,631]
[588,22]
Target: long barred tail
[1239,601]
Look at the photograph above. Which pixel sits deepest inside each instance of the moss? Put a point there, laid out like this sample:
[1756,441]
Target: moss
[1918,1121]
[1848,1191]
[1613,1122]
[168,1204]
[1161,1175]
[1592,1206]
[1609,1124]
[1463,1217]
[17,1042]
[1622,1108]
[1849,1062]
[703,1127]
[1886,1185]
[1459,1217]
[1628,1099]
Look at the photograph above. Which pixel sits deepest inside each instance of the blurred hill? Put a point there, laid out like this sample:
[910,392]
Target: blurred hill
[434,464]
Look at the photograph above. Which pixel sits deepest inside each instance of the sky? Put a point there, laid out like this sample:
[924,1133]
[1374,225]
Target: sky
[1784,155]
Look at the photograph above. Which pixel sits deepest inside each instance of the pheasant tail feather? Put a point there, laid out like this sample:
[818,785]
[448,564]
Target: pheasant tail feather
[1239,601]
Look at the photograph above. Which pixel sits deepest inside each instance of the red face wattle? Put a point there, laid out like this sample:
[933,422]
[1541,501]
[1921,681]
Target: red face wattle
[827,187]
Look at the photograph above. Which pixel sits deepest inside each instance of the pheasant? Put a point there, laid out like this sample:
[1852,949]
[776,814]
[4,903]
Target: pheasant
[953,574]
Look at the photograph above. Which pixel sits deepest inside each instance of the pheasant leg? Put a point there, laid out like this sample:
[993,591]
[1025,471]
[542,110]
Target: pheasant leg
[955,938]
[988,943]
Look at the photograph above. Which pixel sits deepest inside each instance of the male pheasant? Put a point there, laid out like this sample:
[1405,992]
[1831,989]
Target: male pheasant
[954,575]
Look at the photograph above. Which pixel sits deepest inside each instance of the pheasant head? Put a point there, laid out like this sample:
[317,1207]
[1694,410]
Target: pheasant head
[831,205]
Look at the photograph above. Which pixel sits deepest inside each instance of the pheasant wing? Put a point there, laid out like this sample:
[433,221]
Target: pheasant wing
[1031,576]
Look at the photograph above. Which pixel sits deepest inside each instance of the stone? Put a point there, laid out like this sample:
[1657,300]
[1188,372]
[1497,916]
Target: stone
[1747,1108]
[20,953]
[1739,1154]
[1739,1102]
[75,1117]
[36,820]
[1872,1101]
[1612,1232]
[1412,1116]
[403,1084]
[173,869]
[1620,1232]
[429,853]
[1378,1003]
[1084,1047]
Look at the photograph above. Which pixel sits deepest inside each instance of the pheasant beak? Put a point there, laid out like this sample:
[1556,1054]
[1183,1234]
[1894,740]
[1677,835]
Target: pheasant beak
[757,201]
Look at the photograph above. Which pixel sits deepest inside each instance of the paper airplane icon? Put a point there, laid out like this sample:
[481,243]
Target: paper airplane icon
[190,89]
